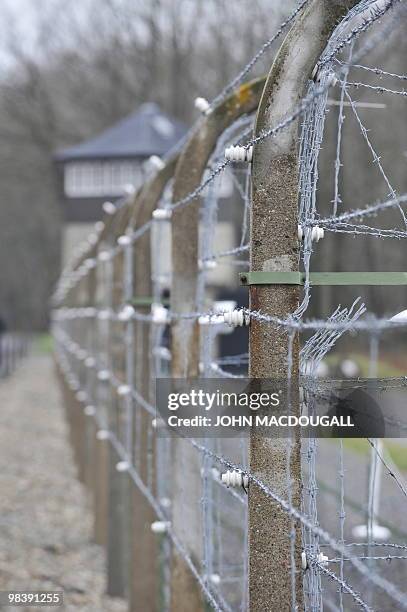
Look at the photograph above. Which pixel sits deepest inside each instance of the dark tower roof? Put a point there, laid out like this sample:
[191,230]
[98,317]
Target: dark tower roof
[148,131]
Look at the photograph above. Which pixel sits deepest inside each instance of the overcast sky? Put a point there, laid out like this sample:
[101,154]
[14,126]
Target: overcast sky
[22,16]
[20,12]
[18,9]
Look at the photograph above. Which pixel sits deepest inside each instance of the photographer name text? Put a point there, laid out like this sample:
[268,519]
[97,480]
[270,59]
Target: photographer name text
[260,421]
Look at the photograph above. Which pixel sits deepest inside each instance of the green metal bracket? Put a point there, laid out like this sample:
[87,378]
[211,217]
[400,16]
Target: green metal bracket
[324,278]
[147,301]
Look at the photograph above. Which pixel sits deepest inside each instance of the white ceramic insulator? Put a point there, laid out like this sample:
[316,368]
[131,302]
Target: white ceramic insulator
[129,189]
[349,368]
[159,314]
[109,208]
[123,390]
[103,315]
[379,532]
[157,423]
[317,233]
[202,105]
[103,375]
[215,473]
[162,352]
[124,240]
[215,579]
[400,317]
[165,502]
[234,478]
[92,239]
[207,264]
[162,214]
[89,411]
[82,355]
[81,396]
[126,313]
[104,256]
[163,280]
[156,162]
[322,370]
[321,558]
[73,385]
[103,434]
[159,526]
[90,362]
[239,154]
[215,367]
[332,79]
[122,466]
[99,226]
[236,318]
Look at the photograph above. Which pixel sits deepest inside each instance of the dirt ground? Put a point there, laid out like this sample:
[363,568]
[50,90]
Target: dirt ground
[46,522]
[45,518]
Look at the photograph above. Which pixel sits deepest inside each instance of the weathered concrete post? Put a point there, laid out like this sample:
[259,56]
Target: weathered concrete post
[274,247]
[89,377]
[103,392]
[185,592]
[117,537]
[72,404]
[144,563]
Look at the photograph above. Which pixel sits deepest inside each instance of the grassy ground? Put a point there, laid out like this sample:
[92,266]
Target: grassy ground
[397,451]
[44,344]
[385,369]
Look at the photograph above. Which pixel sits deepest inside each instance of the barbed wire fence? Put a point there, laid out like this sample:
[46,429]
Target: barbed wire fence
[139,302]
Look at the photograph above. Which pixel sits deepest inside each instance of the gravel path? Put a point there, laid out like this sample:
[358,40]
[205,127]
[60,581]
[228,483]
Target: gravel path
[45,519]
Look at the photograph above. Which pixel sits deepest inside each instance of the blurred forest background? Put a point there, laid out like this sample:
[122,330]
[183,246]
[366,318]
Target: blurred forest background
[70,69]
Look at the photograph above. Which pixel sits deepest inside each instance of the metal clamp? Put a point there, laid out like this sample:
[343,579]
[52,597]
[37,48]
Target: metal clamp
[147,301]
[324,278]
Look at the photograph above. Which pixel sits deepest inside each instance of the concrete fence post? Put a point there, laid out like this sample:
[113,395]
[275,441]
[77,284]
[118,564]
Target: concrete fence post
[187,519]
[144,562]
[275,247]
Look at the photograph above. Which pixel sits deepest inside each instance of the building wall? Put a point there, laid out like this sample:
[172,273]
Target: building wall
[101,178]
[84,200]
[73,234]
[84,210]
